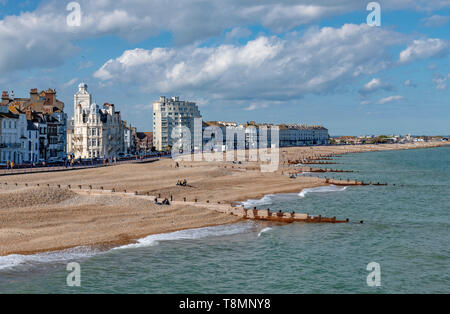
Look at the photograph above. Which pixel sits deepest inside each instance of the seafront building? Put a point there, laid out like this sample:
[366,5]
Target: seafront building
[144,142]
[129,138]
[168,115]
[95,132]
[32,154]
[44,115]
[13,138]
[251,136]
[292,135]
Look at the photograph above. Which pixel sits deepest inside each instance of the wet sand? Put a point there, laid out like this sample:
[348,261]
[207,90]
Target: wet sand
[39,218]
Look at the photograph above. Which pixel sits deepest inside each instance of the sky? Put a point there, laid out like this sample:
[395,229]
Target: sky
[303,61]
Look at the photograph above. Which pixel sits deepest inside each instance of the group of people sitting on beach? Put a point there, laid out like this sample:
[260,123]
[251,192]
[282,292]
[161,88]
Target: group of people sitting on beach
[165,202]
[182,182]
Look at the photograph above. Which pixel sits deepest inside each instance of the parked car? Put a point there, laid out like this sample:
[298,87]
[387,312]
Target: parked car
[55,160]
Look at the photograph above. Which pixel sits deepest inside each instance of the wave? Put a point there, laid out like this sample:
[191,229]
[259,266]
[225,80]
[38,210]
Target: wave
[322,189]
[264,231]
[191,234]
[78,253]
[275,198]
[270,199]
[266,200]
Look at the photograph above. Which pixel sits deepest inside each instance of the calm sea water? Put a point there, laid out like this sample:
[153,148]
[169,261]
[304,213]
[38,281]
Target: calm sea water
[406,231]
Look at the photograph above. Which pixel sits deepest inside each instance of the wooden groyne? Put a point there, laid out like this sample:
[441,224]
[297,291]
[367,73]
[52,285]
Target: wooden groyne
[300,162]
[238,211]
[268,215]
[316,170]
[352,183]
[235,210]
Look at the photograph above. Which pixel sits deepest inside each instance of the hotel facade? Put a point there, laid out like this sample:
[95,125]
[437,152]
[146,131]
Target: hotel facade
[95,132]
[254,135]
[168,115]
[293,135]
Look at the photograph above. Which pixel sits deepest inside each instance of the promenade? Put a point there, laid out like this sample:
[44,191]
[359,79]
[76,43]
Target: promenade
[80,166]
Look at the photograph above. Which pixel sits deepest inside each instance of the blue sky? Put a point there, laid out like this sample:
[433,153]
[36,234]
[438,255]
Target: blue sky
[314,62]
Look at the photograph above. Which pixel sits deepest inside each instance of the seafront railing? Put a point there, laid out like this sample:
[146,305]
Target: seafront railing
[28,169]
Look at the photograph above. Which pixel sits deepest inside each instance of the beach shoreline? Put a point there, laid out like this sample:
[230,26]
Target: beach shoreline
[37,218]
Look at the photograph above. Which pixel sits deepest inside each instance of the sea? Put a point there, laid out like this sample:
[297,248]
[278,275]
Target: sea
[406,234]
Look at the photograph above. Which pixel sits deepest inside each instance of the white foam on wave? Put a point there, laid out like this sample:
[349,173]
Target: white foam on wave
[264,231]
[79,253]
[12,261]
[274,198]
[266,200]
[270,199]
[322,189]
[191,234]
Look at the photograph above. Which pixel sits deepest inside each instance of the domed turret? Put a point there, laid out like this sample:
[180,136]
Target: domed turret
[82,87]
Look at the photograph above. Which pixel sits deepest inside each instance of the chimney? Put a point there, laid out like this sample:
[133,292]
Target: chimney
[5,98]
[5,95]
[33,95]
[50,97]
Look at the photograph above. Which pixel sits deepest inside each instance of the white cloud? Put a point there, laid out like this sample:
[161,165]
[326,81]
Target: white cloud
[238,32]
[267,67]
[425,48]
[390,99]
[436,20]
[189,21]
[253,107]
[24,37]
[375,85]
[409,83]
[70,83]
[440,81]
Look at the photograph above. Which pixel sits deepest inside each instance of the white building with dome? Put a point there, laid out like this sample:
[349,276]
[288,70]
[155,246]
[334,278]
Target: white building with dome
[95,132]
